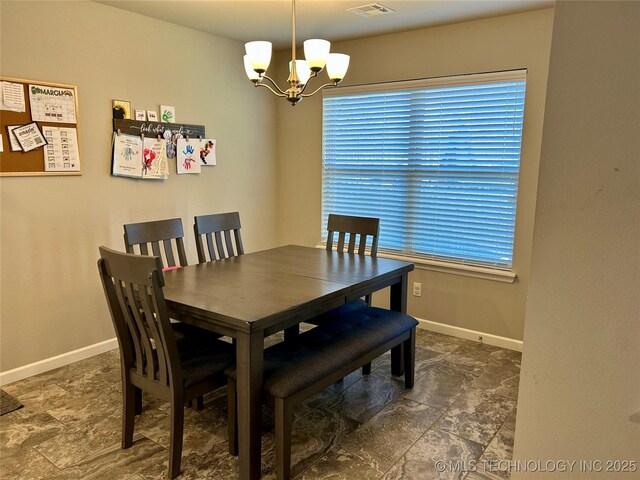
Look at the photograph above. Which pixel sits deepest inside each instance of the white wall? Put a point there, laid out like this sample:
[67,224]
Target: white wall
[51,298]
[580,379]
[501,43]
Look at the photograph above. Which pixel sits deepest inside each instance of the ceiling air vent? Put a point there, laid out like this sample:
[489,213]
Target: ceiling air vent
[370,10]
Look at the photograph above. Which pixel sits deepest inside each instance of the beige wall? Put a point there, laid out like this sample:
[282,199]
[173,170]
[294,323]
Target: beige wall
[51,298]
[509,42]
[580,380]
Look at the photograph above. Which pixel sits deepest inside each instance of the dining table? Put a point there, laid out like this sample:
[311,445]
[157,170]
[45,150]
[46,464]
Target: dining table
[254,295]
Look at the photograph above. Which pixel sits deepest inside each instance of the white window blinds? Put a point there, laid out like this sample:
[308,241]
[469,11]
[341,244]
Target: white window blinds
[436,160]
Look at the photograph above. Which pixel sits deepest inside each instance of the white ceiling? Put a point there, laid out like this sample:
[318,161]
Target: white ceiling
[247,20]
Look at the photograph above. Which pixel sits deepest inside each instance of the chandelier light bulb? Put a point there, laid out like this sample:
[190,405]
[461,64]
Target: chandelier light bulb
[248,68]
[337,66]
[316,52]
[259,54]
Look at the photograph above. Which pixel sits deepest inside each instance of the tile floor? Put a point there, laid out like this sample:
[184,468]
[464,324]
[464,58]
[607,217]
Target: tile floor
[460,413]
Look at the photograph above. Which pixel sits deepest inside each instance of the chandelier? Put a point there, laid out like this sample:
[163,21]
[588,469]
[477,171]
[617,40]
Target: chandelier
[316,52]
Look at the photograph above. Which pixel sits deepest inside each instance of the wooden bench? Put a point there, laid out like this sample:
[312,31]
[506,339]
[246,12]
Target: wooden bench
[296,370]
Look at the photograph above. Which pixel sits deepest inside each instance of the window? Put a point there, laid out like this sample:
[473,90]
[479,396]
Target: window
[436,160]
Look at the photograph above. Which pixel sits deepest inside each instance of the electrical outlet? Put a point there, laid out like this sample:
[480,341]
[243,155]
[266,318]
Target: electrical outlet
[417,289]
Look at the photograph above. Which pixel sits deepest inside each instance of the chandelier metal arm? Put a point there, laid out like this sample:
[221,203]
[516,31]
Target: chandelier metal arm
[330,84]
[279,92]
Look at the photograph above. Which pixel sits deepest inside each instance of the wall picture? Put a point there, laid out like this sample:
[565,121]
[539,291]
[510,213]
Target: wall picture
[167,114]
[121,109]
[141,115]
[188,152]
[152,115]
[207,152]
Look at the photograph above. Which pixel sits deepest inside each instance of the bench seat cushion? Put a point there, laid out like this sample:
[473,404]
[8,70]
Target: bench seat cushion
[290,367]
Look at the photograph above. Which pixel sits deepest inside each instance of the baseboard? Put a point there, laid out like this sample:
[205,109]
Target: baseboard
[51,363]
[474,335]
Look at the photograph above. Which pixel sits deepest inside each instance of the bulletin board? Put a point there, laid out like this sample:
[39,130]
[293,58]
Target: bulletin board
[55,113]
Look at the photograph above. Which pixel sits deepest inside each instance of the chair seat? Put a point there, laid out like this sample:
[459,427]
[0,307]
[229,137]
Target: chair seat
[200,365]
[290,367]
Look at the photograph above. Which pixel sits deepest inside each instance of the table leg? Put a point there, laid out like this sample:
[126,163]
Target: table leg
[249,362]
[398,302]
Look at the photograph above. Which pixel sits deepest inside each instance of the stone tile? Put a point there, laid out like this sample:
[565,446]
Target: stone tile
[362,400]
[473,354]
[482,474]
[493,462]
[26,464]
[369,451]
[312,437]
[438,342]
[355,429]
[39,381]
[80,444]
[322,398]
[44,398]
[144,457]
[111,358]
[21,430]
[442,383]
[499,379]
[504,356]
[476,415]
[91,382]
[422,460]
[87,411]
[424,359]
[216,464]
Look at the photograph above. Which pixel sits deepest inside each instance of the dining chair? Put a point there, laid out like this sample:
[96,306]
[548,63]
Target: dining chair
[162,236]
[362,227]
[350,231]
[151,359]
[166,236]
[298,369]
[357,228]
[209,230]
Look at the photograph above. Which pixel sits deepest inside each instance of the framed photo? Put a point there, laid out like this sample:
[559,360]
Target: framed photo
[152,115]
[121,109]
[167,114]
[141,115]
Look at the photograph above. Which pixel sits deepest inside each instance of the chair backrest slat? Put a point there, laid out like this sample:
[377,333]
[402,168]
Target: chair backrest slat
[341,236]
[169,232]
[352,242]
[221,252]
[212,250]
[217,231]
[364,227]
[133,287]
[227,241]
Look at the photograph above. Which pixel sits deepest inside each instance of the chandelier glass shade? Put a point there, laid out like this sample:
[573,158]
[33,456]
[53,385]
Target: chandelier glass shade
[317,58]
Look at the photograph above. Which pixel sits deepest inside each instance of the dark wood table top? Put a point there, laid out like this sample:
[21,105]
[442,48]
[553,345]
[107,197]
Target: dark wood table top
[257,290]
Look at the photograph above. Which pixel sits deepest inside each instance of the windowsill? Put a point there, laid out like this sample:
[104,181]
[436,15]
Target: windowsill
[473,271]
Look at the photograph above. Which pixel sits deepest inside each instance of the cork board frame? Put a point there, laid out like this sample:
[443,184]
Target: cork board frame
[28,164]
